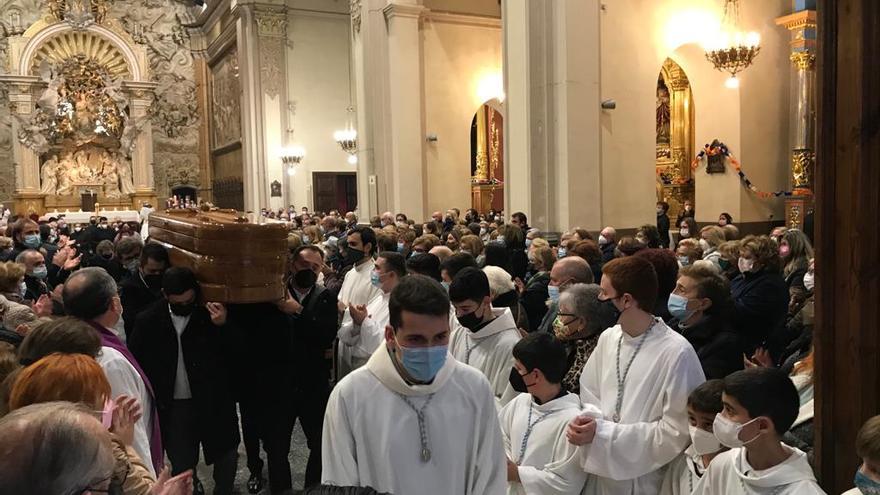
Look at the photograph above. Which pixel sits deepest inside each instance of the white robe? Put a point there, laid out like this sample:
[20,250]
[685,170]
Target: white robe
[730,471]
[357,288]
[371,436]
[551,465]
[491,351]
[628,457]
[362,340]
[683,474]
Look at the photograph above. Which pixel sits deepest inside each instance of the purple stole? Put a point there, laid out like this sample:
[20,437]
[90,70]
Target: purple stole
[109,339]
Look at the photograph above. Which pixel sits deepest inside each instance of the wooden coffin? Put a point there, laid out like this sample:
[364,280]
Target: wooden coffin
[235,261]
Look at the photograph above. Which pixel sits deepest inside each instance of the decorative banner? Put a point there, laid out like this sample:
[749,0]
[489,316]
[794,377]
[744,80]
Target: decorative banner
[718,148]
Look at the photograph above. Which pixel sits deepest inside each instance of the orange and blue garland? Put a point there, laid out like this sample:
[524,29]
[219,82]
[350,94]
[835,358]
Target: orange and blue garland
[723,150]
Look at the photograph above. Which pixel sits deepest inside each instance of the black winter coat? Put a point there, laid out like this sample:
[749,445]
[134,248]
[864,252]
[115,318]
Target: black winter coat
[719,348]
[760,307]
[205,351]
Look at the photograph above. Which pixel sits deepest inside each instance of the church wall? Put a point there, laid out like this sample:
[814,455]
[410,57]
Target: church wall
[636,37]
[456,59]
[317,64]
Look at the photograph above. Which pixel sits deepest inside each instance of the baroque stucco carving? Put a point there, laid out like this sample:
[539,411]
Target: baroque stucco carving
[226,101]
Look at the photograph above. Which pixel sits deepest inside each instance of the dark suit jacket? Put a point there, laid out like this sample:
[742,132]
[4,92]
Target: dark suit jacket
[136,297]
[311,334]
[663,228]
[760,308]
[534,299]
[205,351]
[35,288]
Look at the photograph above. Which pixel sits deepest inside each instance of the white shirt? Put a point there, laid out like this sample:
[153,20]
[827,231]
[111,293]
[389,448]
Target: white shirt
[125,380]
[490,350]
[550,465]
[181,379]
[371,435]
[357,288]
[683,474]
[731,474]
[363,340]
[628,457]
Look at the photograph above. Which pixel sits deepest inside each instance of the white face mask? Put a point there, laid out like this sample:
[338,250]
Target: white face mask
[727,432]
[704,244]
[703,441]
[602,240]
[745,265]
[685,232]
[809,281]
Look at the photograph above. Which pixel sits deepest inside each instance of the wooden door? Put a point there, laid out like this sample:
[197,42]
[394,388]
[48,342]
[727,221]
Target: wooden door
[334,191]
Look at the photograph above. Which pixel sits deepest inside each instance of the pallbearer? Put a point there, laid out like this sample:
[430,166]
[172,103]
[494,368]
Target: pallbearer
[640,376]
[413,420]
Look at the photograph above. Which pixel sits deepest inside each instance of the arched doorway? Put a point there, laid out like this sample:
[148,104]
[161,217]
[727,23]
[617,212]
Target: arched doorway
[675,137]
[487,158]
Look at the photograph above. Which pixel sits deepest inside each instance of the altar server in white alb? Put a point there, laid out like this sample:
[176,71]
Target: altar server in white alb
[539,458]
[489,334]
[639,376]
[760,405]
[412,421]
[357,286]
[683,474]
[365,331]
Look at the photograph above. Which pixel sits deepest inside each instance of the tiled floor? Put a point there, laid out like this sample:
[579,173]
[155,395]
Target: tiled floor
[299,454]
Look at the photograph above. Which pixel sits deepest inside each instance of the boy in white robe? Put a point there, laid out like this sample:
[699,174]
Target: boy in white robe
[685,471]
[357,287]
[487,339]
[365,332]
[640,376]
[760,405]
[413,421]
[539,458]
[867,478]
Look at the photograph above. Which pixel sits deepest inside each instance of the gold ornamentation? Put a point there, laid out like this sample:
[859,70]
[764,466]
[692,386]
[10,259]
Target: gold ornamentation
[804,60]
[494,144]
[802,163]
[794,216]
[482,166]
[70,44]
[80,13]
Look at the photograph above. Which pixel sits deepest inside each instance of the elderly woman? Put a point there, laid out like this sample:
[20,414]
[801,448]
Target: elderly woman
[534,293]
[711,238]
[580,321]
[688,252]
[760,296]
[729,259]
[12,285]
[504,295]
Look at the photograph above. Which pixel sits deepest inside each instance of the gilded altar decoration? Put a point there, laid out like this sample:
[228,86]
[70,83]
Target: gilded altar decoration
[90,167]
[794,217]
[663,114]
[79,13]
[802,163]
[674,130]
[804,60]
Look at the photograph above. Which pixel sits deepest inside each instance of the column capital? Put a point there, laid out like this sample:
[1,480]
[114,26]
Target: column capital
[404,10]
[804,60]
[271,23]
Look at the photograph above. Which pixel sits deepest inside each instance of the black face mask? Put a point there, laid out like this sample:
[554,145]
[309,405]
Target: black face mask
[471,321]
[517,381]
[154,282]
[352,256]
[305,279]
[182,309]
[610,304]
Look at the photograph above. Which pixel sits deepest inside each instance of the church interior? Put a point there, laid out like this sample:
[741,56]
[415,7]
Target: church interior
[583,114]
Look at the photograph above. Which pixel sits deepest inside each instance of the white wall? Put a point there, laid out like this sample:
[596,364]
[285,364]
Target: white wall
[637,37]
[317,64]
[456,58]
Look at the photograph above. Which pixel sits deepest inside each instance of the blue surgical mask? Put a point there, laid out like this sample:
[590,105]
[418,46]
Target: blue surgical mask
[553,291]
[423,363]
[500,238]
[677,307]
[22,289]
[445,286]
[684,261]
[400,247]
[865,484]
[40,272]
[376,279]
[307,239]
[528,243]
[32,241]
[562,253]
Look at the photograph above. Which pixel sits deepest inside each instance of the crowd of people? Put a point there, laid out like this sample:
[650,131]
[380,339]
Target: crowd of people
[467,354]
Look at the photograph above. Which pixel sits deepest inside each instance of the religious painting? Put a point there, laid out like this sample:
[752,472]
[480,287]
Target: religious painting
[226,101]
[715,161]
[663,113]
[276,189]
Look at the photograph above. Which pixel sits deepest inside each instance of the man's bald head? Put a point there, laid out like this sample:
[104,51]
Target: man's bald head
[441,252]
[609,233]
[571,270]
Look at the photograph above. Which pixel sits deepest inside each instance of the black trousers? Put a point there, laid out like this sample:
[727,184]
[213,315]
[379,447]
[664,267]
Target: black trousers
[251,435]
[309,407]
[181,440]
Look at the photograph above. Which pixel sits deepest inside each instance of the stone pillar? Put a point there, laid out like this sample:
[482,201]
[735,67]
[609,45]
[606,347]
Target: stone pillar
[26,162]
[262,34]
[552,133]
[142,154]
[802,25]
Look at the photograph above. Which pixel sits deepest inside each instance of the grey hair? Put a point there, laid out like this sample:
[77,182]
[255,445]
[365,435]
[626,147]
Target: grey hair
[22,256]
[582,300]
[53,447]
[128,245]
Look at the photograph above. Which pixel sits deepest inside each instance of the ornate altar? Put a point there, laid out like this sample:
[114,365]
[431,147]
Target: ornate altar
[487,161]
[80,92]
[675,137]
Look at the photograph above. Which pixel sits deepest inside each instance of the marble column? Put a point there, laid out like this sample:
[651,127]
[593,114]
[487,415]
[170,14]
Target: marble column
[26,162]
[802,25]
[261,37]
[552,133]
[142,154]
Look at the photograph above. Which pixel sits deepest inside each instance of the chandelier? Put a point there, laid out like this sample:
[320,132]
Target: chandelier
[291,157]
[347,138]
[732,50]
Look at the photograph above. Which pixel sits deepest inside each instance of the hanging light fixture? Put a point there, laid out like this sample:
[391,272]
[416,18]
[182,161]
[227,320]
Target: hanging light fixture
[347,138]
[291,157]
[732,50]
